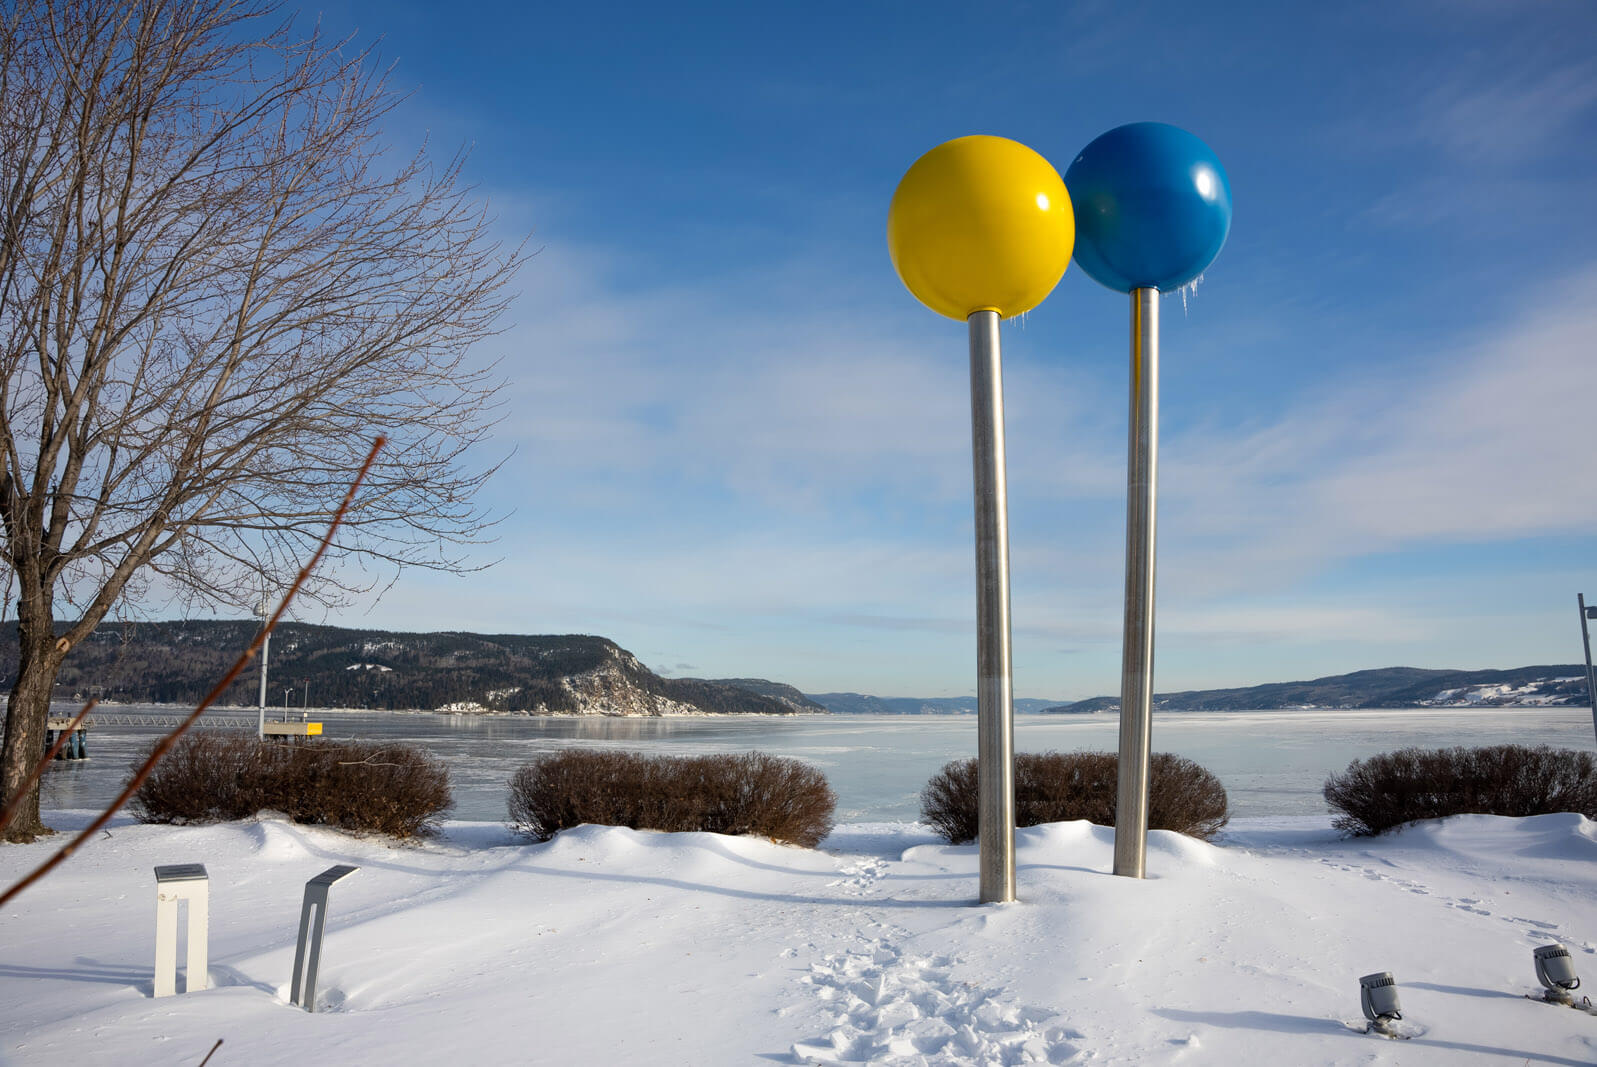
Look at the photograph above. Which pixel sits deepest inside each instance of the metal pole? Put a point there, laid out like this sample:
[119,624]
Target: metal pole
[266,648]
[1591,679]
[995,728]
[1136,670]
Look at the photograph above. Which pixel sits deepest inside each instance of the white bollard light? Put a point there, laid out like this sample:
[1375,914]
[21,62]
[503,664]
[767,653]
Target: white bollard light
[175,883]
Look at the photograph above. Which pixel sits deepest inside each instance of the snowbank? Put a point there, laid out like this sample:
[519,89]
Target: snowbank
[611,946]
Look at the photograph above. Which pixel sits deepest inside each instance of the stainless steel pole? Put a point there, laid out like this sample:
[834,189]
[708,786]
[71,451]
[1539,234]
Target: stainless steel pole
[995,727]
[266,649]
[1591,679]
[1136,665]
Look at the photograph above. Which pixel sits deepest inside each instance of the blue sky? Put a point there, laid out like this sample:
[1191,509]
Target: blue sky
[742,448]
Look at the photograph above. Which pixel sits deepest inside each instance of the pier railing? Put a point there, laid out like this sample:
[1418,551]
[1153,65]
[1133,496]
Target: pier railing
[97,718]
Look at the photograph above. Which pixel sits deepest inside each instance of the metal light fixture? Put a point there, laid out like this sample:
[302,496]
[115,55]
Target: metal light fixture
[1378,998]
[1555,970]
[1588,612]
[979,229]
[1154,207]
[263,611]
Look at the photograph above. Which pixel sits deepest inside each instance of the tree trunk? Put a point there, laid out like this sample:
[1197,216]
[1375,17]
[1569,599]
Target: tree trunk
[27,713]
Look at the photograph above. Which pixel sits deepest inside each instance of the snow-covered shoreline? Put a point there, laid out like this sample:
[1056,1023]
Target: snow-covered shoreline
[611,946]
[478,710]
[277,713]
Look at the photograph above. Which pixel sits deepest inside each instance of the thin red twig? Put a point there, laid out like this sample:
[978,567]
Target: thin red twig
[165,744]
[10,810]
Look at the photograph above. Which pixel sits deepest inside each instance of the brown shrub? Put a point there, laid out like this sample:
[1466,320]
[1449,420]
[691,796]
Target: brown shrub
[1397,788]
[949,802]
[359,786]
[204,778]
[752,793]
[1063,786]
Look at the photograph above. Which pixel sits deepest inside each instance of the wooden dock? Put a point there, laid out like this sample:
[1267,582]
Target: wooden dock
[77,743]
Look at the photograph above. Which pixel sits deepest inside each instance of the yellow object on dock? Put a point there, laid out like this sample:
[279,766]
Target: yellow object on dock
[293,729]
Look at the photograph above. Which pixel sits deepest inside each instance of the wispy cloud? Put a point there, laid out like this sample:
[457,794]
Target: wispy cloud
[765,473]
[1487,443]
[1519,116]
[781,406]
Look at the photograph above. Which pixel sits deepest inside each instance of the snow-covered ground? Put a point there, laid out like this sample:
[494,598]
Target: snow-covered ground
[607,946]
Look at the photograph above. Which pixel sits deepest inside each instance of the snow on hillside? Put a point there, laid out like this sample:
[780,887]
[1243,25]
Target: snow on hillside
[1540,693]
[611,946]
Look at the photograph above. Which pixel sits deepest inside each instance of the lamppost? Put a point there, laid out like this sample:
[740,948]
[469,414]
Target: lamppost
[1153,208]
[1585,639]
[263,611]
[980,228]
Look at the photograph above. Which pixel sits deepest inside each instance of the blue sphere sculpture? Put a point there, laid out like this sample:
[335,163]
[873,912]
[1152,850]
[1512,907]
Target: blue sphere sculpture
[1153,207]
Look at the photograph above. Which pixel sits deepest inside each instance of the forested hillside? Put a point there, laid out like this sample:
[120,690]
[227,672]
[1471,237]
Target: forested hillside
[1387,687]
[178,662]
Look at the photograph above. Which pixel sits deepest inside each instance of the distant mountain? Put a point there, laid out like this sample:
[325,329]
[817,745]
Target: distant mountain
[860,704]
[574,674]
[775,690]
[1388,687]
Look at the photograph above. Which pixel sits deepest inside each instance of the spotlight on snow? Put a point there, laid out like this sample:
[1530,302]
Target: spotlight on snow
[1555,970]
[1378,998]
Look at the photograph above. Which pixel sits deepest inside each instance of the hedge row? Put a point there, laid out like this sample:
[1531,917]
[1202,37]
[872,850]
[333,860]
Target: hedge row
[365,787]
[782,799]
[1397,788]
[402,791]
[1064,786]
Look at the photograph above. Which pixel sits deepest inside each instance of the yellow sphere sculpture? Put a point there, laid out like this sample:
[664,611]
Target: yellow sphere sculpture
[981,223]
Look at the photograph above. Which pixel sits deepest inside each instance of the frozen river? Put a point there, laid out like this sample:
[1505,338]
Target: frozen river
[1271,762]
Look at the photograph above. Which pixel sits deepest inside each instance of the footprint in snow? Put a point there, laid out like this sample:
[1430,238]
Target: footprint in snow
[860,877]
[891,1009]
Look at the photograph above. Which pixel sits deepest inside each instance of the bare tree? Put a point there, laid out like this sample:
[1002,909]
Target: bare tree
[215,290]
